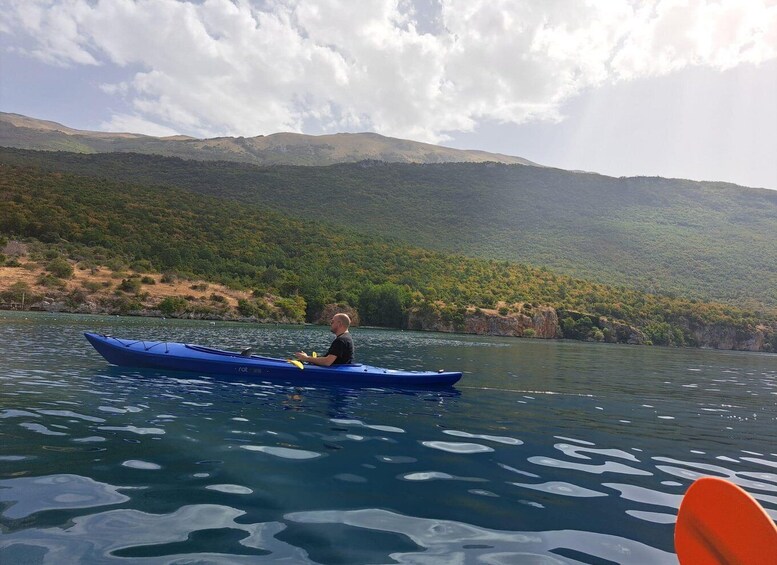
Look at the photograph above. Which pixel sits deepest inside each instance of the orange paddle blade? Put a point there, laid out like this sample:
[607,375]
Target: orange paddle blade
[719,523]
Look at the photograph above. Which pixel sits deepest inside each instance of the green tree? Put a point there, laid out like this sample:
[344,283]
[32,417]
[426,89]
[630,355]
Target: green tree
[659,333]
[384,305]
[292,308]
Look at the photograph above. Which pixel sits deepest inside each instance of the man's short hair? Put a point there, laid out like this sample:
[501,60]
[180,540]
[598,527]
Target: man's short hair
[343,318]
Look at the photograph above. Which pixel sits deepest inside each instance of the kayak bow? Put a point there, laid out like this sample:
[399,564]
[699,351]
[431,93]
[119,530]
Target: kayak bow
[166,355]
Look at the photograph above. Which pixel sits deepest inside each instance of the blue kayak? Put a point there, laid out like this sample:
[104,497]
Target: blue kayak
[167,355]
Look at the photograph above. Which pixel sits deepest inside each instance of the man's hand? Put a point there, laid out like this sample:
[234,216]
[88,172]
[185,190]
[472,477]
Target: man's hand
[320,361]
[302,356]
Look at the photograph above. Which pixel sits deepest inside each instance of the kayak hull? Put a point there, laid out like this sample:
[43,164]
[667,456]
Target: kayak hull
[163,355]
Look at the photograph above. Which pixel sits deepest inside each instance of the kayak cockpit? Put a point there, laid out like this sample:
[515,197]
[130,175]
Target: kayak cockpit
[213,351]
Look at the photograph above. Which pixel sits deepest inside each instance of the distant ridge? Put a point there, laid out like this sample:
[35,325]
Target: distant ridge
[23,132]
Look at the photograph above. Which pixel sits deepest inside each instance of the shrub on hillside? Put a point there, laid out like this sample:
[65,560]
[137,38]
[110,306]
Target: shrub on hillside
[75,298]
[131,285]
[91,286]
[173,305]
[142,266]
[60,268]
[115,264]
[123,304]
[50,281]
[256,308]
[18,292]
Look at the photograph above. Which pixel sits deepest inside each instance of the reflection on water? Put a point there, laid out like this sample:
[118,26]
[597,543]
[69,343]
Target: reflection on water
[546,452]
[455,542]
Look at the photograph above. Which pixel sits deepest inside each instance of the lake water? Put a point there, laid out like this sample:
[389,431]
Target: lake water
[545,452]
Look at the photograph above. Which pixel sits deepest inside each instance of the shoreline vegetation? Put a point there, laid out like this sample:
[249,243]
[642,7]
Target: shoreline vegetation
[86,244]
[43,280]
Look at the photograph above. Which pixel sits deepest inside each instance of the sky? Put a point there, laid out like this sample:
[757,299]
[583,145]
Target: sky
[673,88]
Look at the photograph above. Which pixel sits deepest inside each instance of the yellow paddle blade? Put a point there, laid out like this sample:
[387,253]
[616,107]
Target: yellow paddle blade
[296,363]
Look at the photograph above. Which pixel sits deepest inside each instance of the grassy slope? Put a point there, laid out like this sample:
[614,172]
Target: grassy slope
[699,240]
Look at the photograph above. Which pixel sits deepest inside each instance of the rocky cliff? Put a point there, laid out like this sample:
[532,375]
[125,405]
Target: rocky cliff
[541,321]
[718,336]
[331,309]
[545,322]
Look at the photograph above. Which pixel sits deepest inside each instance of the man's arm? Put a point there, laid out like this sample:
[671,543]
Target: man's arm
[320,361]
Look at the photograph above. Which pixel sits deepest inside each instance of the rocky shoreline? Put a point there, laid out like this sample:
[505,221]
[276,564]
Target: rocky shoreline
[96,290]
[543,322]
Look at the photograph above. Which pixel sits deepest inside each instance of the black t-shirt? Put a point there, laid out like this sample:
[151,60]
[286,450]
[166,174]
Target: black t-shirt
[342,348]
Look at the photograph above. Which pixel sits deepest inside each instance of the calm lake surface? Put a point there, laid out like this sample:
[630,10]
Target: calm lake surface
[545,452]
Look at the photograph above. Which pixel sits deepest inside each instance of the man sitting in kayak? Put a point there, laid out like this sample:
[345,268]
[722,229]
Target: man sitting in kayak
[341,350]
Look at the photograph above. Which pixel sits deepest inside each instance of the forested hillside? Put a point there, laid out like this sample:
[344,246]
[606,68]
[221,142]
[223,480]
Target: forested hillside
[702,240]
[252,247]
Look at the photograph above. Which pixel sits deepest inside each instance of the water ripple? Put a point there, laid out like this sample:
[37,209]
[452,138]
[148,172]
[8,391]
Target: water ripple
[607,467]
[498,439]
[18,414]
[133,429]
[54,492]
[457,447]
[143,465]
[577,452]
[71,414]
[562,488]
[113,536]
[426,476]
[733,476]
[382,428]
[230,489]
[283,452]
[41,429]
[457,542]
[646,495]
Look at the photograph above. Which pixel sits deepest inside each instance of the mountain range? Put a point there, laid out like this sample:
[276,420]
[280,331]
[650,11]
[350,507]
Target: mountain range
[699,240]
[23,132]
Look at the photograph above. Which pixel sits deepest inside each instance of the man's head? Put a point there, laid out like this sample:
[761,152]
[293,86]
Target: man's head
[340,323]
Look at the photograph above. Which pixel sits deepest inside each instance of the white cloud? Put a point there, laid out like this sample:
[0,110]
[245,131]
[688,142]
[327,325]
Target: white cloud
[220,67]
[134,124]
[675,34]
